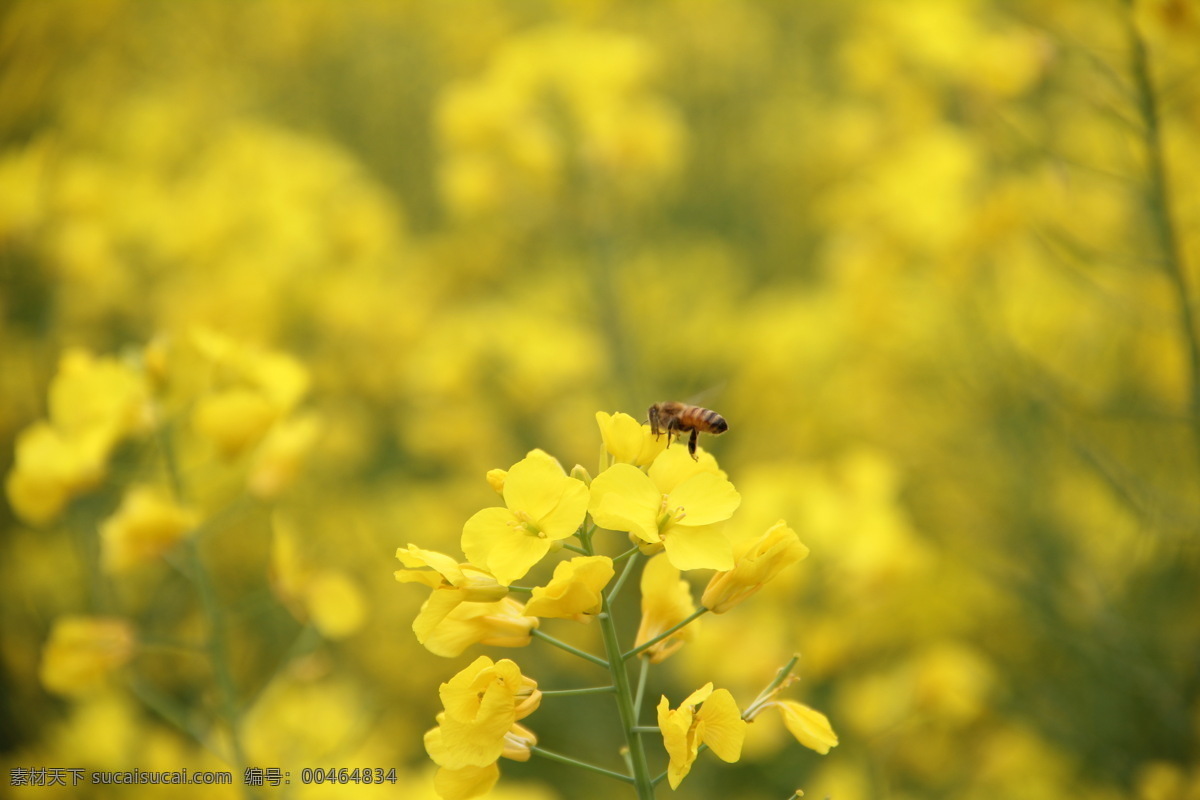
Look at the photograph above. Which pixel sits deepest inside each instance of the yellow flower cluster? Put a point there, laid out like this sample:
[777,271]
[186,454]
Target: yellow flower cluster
[82,652]
[216,421]
[555,105]
[673,508]
[241,409]
[478,724]
[94,403]
[144,528]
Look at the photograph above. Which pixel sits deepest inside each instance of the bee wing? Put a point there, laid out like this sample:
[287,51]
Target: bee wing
[705,397]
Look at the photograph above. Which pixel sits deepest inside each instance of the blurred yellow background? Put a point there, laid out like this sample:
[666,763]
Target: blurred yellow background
[933,260]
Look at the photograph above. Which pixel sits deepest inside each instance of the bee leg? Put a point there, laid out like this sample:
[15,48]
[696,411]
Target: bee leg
[692,444]
[672,430]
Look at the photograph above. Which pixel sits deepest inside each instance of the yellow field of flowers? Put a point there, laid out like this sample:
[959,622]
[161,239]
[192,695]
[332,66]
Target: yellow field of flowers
[329,330]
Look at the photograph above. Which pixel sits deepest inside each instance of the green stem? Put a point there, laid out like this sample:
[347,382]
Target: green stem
[625,573]
[782,675]
[218,651]
[575,549]
[306,639]
[548,639]
[574,692]
[631,551]
[642,647]
[641,688]
[635,750]
[169,648]
[170,464]
[166,707]
[1158,197]
[647,729]
[620,674]
[559,757]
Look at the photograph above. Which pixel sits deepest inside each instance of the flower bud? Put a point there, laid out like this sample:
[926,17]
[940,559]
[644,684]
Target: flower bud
[495,479]
[517,742]
[755,562]
[508,627]
[480,586]
[580,474]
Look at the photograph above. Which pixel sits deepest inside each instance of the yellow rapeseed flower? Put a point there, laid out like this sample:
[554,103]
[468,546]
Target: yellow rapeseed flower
[282,454]
[281,379]
[666,602]
[335,603]
[49,468]
[452,584]
[499,624]
[251,388]
[328,598]
[575,589]
[679,503]
[90,394]
[234,419]
[472,781]
[627,440]
[93,404]
[756,561]
[482,702]
[542,505]
[144,528]
[462,783]
[81,652]
[718,724]
[440,571]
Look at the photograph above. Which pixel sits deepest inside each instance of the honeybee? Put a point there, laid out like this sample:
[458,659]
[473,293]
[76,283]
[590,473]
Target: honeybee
[672,418]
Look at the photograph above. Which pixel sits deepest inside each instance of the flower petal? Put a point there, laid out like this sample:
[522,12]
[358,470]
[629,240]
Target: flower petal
[534,485]
[502,624]
[427,566]
[461,784]
[624,499]
[484,531]
[706,497]
[574,589]
[675,725]
[516,556]
[699,696]
[674,466]
[620,513]
[724,728]
[702,547]
[666,602]
[810,727]
[628,440]
[435,609]
[567,515]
